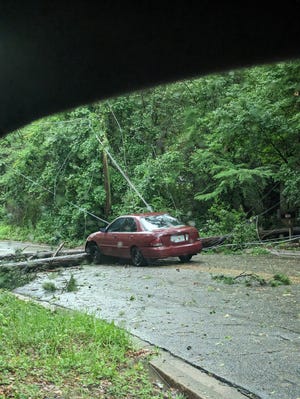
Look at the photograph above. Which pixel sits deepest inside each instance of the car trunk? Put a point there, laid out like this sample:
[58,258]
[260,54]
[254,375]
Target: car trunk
[177,237]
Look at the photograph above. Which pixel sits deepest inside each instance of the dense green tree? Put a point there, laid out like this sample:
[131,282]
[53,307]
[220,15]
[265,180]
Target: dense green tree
[222,147]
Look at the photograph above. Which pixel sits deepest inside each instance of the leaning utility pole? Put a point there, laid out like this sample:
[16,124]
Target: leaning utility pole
[124,175]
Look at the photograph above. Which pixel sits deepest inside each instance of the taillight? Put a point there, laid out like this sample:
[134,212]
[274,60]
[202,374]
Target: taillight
[156,243]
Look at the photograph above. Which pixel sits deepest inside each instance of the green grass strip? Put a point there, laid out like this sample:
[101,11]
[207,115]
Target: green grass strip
[65,354]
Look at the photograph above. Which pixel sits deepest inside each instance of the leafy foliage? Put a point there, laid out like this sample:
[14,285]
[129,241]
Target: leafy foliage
[228,141]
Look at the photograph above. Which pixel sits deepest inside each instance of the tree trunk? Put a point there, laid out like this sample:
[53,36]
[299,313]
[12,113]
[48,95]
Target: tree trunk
[46,263]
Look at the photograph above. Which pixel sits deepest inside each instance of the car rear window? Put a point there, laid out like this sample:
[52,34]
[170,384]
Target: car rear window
[155,222]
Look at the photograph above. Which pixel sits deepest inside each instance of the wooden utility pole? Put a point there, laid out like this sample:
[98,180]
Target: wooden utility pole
[106,183]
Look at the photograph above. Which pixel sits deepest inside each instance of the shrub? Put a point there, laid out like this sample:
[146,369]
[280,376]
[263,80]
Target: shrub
[71,284]
[49,286]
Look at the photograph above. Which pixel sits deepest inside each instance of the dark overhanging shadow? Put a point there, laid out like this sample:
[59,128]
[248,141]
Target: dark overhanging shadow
[57,56]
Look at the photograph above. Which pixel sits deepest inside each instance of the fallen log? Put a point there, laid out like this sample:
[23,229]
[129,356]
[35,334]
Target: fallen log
[58,249]
[38,255]
[44,263]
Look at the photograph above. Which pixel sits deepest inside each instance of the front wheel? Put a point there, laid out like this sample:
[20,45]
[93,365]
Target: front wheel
[185,258]
[94,253]
[137,257]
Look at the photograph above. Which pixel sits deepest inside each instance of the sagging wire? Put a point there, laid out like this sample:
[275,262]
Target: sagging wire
[122,135]
[254,243]
[269,209]
[131,185]
[161,171]
[57,174]
[149,207]
[68,202]
[266,195]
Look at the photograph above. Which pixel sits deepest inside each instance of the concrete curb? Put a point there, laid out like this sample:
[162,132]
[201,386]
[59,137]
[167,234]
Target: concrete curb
[192,382]
[189,380]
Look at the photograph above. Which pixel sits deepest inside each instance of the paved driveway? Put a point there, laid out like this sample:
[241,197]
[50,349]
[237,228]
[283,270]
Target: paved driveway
[249,336]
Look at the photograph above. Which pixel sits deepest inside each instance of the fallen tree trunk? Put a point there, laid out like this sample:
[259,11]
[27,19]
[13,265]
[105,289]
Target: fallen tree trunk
[46,263]
[58,249]
[38,255]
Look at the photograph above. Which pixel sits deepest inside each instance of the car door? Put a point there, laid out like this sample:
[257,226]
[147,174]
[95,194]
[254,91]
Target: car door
[110,241]
[127,237]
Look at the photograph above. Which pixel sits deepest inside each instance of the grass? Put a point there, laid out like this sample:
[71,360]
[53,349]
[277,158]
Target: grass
[224,279]
[280,279]
[13,233]
[64,354]
[253,279]
[31,234]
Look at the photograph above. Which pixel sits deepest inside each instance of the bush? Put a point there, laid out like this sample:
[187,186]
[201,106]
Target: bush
[49,286]
[224,221]
[280,279]
[71,284]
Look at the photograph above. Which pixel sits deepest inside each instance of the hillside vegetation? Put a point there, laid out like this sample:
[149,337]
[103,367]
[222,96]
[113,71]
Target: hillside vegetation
[216,151]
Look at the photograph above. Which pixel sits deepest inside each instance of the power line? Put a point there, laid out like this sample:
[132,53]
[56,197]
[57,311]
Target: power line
[122,135]
[254,243]
[68,202]
[124,175]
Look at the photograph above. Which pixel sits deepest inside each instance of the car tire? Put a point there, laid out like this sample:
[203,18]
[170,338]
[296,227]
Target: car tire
[185,258]
[94,253]
[137,257]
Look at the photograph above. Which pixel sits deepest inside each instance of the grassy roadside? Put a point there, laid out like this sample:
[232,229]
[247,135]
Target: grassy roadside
[64,354]
[33,235]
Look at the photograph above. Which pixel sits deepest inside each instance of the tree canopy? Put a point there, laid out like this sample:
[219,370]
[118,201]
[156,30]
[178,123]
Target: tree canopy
[219,148]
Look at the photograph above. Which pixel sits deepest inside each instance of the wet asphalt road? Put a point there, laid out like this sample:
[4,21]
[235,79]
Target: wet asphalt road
[249,336]
[10,247]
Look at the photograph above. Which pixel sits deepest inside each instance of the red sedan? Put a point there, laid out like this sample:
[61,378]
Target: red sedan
[143,238]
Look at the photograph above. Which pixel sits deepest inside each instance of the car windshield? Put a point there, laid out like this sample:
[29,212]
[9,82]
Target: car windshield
[155,222]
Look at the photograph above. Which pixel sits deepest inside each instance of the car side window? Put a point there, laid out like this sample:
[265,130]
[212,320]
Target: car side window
[117,225]
[129,225]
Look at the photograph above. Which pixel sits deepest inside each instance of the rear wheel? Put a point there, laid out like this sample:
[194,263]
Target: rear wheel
[137,257]
[94,253]
[185,258]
